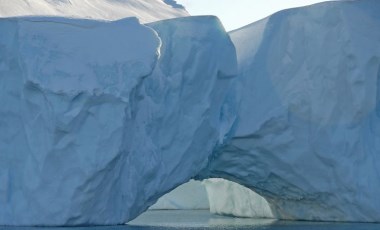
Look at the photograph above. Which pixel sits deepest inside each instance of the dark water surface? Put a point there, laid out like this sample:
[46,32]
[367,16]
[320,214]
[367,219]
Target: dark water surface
[177,220]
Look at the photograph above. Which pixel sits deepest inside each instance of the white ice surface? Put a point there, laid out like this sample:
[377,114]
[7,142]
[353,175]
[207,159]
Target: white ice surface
[230,198]
[189,196]
[145,10]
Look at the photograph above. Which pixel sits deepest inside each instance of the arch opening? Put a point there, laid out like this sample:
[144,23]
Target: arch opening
[219,196]
[195,203]
[188,196]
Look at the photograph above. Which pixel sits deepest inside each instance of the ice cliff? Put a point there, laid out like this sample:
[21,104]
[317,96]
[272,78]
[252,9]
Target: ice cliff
[308,137]
[99,119]
[66,88]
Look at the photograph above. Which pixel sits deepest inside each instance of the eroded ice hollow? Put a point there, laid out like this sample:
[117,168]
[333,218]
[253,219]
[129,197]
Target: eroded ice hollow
[217,195]
[100,119]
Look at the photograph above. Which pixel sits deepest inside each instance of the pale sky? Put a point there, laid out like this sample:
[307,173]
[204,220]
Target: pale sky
[237,13]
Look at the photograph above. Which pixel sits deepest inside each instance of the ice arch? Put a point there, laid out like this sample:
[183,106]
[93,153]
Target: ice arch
[100,119]
[307,87]
[94,131]
[219,196]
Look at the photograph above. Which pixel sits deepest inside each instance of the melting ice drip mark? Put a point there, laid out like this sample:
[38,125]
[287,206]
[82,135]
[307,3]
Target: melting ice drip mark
[378,94]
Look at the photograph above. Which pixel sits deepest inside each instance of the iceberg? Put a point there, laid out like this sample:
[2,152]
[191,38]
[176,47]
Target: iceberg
[182,112]
[99,119]
[307,137]
[66,89]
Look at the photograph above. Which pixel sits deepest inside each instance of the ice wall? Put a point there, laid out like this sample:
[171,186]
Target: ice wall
[65,94]
[307,137]
[183,111]
[100,119]
[378,94]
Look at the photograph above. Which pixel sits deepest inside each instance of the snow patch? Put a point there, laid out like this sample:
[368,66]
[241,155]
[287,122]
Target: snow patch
[145,10]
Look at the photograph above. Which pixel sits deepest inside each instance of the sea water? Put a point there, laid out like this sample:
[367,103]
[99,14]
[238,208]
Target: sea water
[202,219]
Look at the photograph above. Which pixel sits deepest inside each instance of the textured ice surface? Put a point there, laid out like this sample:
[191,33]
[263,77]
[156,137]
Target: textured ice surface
[229,198]
[182,112]
[145,10]
[191,195]
[308,133]
[100,119]
[65,92]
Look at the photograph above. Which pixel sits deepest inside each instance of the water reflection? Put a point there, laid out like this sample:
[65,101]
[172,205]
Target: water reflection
[194,219]
[205,220]
[177,220]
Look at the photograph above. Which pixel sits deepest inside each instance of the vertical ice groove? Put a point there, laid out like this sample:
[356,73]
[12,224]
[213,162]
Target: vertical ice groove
[378,93]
